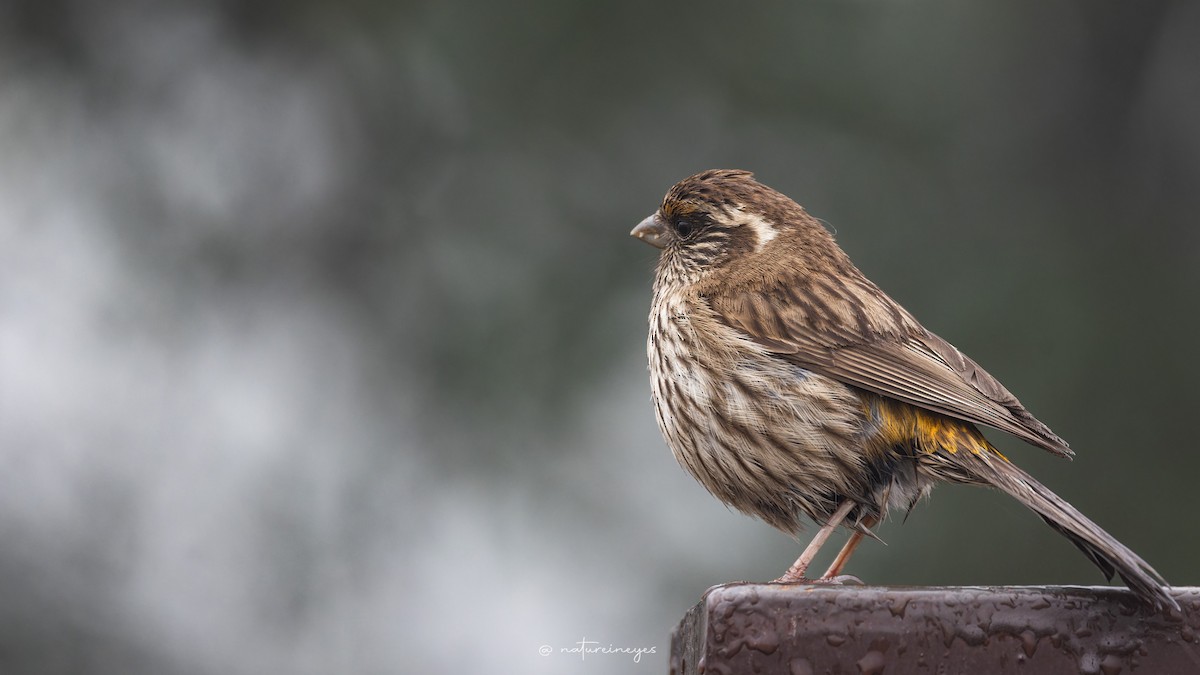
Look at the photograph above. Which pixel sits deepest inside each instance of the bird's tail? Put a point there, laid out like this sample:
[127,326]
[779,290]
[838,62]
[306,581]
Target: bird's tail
[1110,555]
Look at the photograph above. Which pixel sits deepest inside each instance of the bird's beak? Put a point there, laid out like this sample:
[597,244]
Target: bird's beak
[652,231]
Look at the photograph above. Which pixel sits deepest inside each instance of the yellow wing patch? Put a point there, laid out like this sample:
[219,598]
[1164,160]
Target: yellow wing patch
[903,425]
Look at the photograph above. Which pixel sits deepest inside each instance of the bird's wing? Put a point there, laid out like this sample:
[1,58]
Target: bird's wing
[896,357]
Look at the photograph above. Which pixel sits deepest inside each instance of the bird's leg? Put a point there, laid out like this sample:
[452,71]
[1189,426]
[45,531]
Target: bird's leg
[843,556]
[796,572]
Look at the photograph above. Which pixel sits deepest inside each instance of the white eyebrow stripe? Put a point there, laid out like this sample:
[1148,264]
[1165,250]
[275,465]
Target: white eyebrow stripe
[764,231]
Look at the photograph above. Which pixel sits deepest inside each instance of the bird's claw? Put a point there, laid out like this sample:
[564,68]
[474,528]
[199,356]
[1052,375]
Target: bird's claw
[839,580]
[843,580]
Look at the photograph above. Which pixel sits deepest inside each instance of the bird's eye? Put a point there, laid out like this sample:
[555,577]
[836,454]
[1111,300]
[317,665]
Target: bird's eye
[685,227]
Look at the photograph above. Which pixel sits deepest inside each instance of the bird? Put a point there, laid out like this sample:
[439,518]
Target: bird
[790,386]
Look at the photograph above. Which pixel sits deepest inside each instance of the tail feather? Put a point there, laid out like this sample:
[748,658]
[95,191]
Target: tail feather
[1110,555]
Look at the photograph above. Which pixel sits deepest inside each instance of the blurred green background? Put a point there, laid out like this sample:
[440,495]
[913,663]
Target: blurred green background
[322,337]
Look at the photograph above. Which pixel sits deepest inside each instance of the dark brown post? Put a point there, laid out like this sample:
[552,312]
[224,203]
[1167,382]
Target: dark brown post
[810,630]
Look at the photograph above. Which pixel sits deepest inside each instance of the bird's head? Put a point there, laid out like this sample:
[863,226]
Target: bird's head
[723,215]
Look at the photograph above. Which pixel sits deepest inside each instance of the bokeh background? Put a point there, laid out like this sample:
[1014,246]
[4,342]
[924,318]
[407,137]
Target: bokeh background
[322,337]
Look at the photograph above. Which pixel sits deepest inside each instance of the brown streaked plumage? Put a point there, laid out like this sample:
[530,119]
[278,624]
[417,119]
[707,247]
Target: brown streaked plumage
[790,386]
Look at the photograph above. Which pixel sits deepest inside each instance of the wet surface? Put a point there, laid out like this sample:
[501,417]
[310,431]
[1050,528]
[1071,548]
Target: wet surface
[757,628]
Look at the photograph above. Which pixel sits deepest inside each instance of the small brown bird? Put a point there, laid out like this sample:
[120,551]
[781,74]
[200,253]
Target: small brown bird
[790,385]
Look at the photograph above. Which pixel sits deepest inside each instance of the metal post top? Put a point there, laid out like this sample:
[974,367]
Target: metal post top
[818,628]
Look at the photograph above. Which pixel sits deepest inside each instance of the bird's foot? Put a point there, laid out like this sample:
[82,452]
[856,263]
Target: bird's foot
[839,580]
[843,580]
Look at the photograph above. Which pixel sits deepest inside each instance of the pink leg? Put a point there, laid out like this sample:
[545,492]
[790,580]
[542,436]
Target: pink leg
[843,556]
[796,572]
